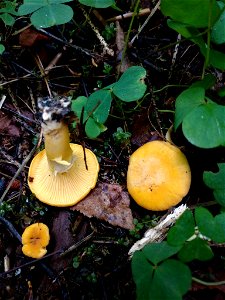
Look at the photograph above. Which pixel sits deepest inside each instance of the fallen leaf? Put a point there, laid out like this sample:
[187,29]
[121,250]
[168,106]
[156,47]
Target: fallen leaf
[108,202]
[29,37]
[142,131]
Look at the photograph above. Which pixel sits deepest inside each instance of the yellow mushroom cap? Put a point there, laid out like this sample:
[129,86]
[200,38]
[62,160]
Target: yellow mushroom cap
[67,188]
[158,175]
[35,238]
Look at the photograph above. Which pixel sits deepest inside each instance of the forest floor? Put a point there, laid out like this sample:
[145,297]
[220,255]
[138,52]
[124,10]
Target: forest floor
[88,257]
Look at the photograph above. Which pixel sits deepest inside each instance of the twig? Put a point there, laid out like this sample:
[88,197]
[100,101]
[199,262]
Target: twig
[106,48]
[42,70]
[99,17]
[146,22]
[14,80]
[141,12]
[11,228]
[55,60]
[157,233]
[2,100]
[20,169]
[85,51]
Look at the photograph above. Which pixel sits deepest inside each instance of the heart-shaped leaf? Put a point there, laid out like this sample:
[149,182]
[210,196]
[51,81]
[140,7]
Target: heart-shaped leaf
[186,102]
[204,126]
[98,105]
[183,229]
[171,280]
[191,12]
[205,222]
[131,85]
[51,15]
[93,128]
[213,228]
[47,13]
[217,59]
[195,249]
[157,252]
[142,271]
[218,30]
[216,181]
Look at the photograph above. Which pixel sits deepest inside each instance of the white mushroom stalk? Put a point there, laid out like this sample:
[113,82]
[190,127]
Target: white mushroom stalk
[56,133]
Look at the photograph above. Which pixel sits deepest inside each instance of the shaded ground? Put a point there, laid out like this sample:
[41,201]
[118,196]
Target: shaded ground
[97,267]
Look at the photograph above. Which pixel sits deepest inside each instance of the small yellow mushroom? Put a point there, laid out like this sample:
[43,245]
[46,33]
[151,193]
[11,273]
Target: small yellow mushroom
[35,238]
[158,175]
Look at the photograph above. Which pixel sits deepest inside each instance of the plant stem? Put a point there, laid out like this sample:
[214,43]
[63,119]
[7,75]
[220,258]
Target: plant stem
[208,283]
[208,40]
[168,86]
[129,30]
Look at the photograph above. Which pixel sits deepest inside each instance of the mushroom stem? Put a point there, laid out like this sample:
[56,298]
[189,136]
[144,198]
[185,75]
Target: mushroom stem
[56,133]
[57,145]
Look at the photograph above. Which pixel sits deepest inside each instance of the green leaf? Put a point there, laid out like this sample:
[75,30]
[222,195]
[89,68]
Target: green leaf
[9,7]
[205,222]
[191,12]
[157,252]
[131,85]
[219,235]
[142,272]
[207,82]
[2,48]
[209,120]
[99,104]
[217,59]
[7,19]
[216,181]
[171,280]
[98,3]
[218,30]
[195,249]
[186,102]
[93,128]
[79,105]
[211,227]
[30,6]
[51,15]
[183,229]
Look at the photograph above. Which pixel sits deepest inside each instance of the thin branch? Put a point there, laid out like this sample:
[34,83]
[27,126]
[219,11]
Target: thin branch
[141,12]
[20,169]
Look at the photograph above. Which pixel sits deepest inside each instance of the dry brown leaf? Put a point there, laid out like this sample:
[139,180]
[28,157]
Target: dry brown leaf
[142,130]
[108,202]
[29,37]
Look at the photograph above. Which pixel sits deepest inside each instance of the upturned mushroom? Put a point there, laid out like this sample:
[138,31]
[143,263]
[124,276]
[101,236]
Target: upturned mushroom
[35,238]
[59,175]
[158,175]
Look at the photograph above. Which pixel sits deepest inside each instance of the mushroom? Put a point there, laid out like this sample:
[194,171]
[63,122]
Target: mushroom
[61,174]
[158,175]
[35,238]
